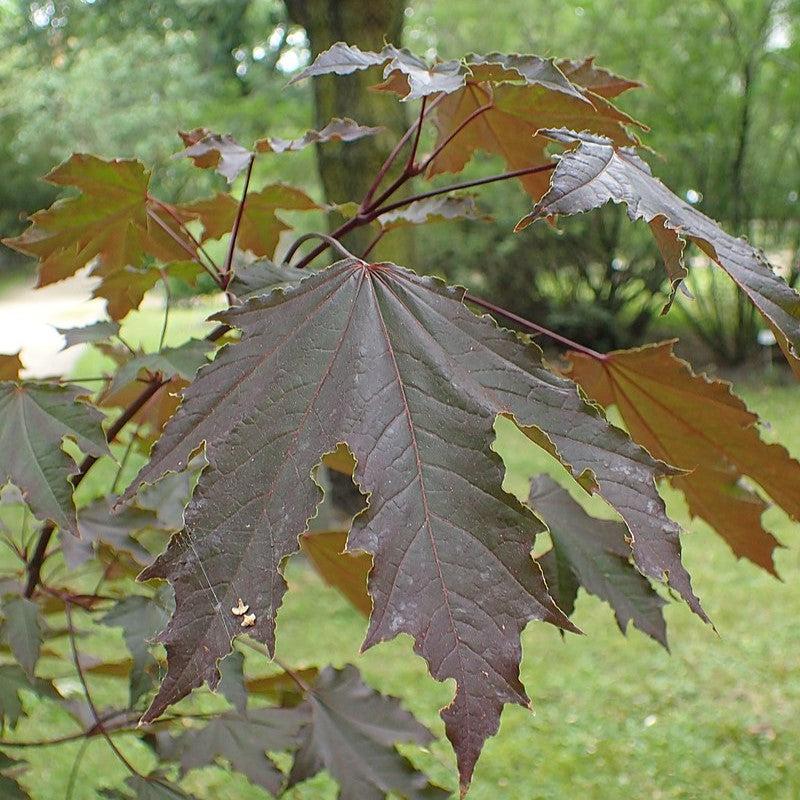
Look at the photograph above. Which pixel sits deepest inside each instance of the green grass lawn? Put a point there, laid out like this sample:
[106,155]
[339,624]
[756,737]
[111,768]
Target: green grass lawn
[614,717]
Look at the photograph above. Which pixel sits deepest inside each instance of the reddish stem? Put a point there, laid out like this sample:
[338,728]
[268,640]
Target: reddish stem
[226,269]
[452,135]
[526,323]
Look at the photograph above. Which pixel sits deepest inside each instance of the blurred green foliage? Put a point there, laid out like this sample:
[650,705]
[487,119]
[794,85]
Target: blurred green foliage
[722,90]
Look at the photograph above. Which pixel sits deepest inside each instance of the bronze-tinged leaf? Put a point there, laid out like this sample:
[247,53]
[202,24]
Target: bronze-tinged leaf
[108,221]
[595,171]
[34,421]
[124,289]
[346,572]
[154,413]
[397,367]
[343,130]
[407,74]
[243,739]
[593,553]
[282,687]
[698,424]
[510,127]
[352,732]
[599,81]
[10,366]
[260,227]
[217,151]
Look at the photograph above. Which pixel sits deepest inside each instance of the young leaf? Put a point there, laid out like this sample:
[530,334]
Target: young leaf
[599,81]
[34,421]
[352,732]
[23,631]
[346,572]
[700,425]
[124,289]
[398,368]
[140,618]
[596,171]
[243,740]
[107,221]
[510,126]
[220,152]
[431,209]
[594,553]
[417,79]
[12,680]
[343,130]
[260,226]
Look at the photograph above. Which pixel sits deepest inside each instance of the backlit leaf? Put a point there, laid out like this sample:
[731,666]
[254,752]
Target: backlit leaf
[595,172]
[260,226]
[107,221]
[697,423]
[344,571]
[398,368]
[510,127]
[352,732]
[34,421]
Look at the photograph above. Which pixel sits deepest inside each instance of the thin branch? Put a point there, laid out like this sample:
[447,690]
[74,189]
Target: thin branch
[330,241]
[96,716]
[373,243]
[525,323]
[183,245]
[452,135]
[195,241]
[260,648]
[416,127]
[167,305]
[226,269]
[503,176]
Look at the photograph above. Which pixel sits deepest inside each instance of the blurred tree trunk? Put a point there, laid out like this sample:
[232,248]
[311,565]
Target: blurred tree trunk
[347,169]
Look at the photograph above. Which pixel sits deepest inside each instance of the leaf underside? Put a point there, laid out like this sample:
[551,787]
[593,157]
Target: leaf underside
[398,368]
[698,424]
[597,171]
